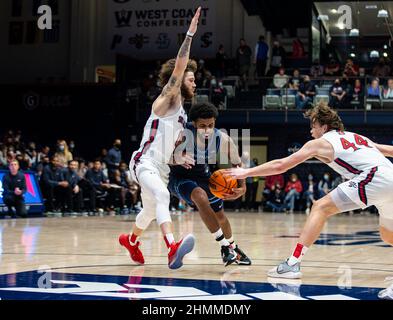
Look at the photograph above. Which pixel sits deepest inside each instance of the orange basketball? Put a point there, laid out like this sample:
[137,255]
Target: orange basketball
[219,183]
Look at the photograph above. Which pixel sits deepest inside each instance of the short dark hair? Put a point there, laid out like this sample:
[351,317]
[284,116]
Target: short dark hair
[204,110]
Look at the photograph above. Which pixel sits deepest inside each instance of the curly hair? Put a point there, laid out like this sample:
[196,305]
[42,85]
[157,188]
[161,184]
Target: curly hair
[168,67]
[323,114]
[204,110]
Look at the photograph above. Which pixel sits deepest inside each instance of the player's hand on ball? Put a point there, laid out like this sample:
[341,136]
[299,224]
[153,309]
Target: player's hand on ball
[237,193]
[195,20]
[237,173]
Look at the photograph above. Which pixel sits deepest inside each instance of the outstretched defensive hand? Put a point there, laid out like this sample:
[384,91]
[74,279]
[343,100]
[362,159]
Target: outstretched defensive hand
[194,22]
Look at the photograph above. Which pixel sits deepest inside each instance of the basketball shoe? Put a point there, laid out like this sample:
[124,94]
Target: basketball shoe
[387,294]
[228,255]
[178,250]
[241,257]
[284,270]
[135,253]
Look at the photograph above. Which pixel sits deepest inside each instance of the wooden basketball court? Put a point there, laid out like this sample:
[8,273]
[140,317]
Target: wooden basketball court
[349,254]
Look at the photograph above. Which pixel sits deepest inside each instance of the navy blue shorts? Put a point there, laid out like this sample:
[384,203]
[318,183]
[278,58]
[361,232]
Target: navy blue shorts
[182,189]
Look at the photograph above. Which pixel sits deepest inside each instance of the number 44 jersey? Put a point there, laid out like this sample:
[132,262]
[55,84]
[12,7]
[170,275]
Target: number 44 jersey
[354,154]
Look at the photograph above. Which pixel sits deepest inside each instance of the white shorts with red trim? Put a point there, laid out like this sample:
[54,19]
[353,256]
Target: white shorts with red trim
[373,187]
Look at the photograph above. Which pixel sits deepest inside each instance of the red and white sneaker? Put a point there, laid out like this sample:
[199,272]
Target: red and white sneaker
[135,253]
[178,250]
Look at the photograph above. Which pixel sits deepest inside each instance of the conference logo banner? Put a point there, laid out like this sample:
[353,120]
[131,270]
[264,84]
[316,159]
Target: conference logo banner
[155,29]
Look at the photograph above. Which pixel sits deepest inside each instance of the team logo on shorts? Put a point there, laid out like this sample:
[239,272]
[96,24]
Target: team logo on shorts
[352,184]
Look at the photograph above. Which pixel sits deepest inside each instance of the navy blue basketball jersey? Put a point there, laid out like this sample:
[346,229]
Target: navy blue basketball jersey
[202,157]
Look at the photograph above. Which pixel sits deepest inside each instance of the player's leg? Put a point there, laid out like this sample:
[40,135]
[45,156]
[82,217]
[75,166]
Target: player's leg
[198,196]
[143,219]
[241,257]
[335,202]
[386,233]
[152,181]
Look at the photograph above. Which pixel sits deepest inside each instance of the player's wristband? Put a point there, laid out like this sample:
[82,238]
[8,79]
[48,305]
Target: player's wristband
[190,34]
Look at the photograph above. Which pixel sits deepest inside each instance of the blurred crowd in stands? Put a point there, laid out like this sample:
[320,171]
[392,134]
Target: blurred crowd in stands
[271,72]
[69,183]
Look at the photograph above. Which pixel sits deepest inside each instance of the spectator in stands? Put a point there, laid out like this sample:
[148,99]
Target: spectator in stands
[221,62]
[357,92]
[333,68]
[71,148]
[63,154]
[350,69]
[336,182]
[218,94]
[293,190]
[374,91]
[10,154]
[297,49]
[295,80]
[73,179]
[270,182]
[316,69]
[103,155]
[382,69]
[199,79]
[82,169]
[123,181]
[99,184]
[206,75]
[24,161]
[324,185]
[14,188]
[310,193]
[243,58]
[45,161]
[388,92]
[113,159]
[280,79]
[3,156]
[275,201]
[55,186]
[260,56]
[278,58]
[43,153]
[337,94]
[32,154]
[305,96]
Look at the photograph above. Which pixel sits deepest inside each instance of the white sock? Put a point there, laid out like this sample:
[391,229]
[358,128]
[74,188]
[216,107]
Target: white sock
[170,238]
[219,236]
[232,242]
[297,255]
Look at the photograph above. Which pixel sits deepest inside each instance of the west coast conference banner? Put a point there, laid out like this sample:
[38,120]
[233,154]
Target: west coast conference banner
[155,29]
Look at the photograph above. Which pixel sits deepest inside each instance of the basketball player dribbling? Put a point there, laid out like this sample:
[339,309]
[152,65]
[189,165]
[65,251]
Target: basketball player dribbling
[203,141]
[355,157]
[149,164]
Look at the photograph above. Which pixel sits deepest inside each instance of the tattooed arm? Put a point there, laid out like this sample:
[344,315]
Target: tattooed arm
[171,92]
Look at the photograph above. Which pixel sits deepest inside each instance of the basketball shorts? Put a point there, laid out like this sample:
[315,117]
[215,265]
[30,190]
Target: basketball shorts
[183,188]
[371,188]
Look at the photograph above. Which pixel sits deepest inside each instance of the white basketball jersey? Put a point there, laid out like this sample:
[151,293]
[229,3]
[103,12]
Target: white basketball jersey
[160,136]
[354,154]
